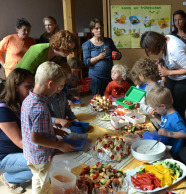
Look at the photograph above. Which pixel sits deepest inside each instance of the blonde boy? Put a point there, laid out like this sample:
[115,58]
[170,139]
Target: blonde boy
[119,86]
[38,134]
[170,121]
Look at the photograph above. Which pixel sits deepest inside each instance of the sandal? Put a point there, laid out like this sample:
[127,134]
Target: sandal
[11,187]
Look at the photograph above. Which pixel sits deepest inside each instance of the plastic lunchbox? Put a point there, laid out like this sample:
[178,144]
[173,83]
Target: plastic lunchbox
[135,117]
[133,95]
[79,127]
[155,136]
[118,122]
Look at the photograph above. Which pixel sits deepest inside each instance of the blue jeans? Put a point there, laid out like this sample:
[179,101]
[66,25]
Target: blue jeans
[16,169]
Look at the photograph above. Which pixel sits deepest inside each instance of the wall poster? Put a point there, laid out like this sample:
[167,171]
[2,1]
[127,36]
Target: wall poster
[129,22]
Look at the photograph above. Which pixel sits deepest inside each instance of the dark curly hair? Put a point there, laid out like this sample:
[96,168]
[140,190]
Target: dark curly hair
[146,67]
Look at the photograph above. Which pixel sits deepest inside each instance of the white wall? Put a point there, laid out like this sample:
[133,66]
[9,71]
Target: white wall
[35,10]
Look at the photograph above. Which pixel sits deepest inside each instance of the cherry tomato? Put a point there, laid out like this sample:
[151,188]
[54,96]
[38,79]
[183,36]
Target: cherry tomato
[96,185]
[114,171]
[95,176]
[116,181]
[98,163]
[84,170]
[86,183]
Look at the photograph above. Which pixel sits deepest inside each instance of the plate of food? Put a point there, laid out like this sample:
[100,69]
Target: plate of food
[100,176]
[103,116]
[110,149]
[156,176]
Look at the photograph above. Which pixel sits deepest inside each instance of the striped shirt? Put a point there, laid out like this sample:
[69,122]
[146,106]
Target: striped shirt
[35,117]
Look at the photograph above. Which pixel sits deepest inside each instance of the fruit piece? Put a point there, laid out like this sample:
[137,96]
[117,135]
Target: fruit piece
[95,176]
[99,150]
[112,157]
[96,185]
[104,145]
[114,171]
[115,180]
[84,171]
[98,163]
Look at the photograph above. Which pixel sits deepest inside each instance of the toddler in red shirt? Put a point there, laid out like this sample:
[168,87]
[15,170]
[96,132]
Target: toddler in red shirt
[119,86]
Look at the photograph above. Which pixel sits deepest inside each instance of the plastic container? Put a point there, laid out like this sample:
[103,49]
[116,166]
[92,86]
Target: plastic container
[79,127]
[155,136]
[116,122]
[63,179]
[133,95]
[131,138]
[135,117]
[76,140]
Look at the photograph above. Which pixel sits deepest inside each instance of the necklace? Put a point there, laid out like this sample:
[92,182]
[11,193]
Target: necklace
[98,42]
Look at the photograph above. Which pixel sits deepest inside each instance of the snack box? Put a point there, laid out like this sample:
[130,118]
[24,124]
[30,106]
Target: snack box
[135,117]
[133,95]
[79,127]
[155,136]
[76,140]
[118,122]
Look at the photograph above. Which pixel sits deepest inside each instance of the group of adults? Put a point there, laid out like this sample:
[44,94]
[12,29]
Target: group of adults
[97,54]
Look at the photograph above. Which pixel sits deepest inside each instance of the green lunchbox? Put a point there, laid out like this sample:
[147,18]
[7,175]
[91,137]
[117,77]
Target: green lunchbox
[133,95]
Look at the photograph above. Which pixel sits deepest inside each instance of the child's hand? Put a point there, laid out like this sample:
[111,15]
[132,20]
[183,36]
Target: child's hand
[153,113]
[76,97]
[75,120]
[65,147]
[62,122]
[163,132]
[137,104]
[70,102]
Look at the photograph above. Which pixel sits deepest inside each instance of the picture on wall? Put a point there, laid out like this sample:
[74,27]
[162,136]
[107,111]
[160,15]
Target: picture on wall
[129,22]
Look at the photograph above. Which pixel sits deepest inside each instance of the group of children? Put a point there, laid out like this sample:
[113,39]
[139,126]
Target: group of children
[39,135]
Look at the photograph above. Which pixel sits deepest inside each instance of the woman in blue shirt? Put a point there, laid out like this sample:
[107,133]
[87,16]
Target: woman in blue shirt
[97,54]
[12,161]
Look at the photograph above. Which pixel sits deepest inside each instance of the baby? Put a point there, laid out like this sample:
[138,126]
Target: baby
[119,86]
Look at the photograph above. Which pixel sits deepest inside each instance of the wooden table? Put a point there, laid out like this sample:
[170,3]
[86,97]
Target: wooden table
[95,132]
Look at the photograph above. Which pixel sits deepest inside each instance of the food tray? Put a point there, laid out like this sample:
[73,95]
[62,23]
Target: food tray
[76,140]
[133,173]
[79,127]
[139,118]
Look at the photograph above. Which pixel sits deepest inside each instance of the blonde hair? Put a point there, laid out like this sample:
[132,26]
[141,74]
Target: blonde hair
[122,69]
[159,95]
[49,71]
[147,67]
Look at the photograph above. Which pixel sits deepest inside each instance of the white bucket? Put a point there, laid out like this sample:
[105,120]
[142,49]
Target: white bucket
[67,186]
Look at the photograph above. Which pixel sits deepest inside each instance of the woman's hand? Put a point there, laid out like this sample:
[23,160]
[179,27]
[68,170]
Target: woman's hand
[102,55]
[163,71]
[117,55]
[65,147]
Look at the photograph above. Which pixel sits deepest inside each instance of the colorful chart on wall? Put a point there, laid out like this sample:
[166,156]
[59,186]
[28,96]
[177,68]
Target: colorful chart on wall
[129,22]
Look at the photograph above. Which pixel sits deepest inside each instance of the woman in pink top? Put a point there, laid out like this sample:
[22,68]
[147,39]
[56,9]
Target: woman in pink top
[16,45]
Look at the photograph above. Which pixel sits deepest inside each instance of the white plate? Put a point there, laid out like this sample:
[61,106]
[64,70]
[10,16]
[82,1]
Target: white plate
[133,173]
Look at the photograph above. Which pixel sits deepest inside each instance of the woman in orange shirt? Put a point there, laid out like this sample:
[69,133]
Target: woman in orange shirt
[16,45]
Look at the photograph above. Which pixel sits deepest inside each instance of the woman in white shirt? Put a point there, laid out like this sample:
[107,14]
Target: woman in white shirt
[174,69]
